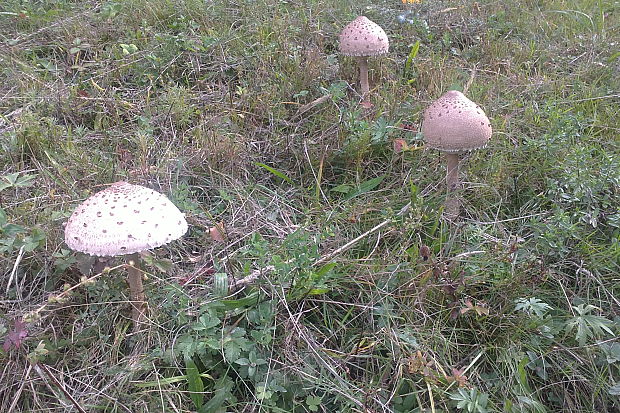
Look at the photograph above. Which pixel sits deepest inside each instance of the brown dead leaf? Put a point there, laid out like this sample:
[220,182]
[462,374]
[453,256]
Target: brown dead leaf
[217,233]
[458,377]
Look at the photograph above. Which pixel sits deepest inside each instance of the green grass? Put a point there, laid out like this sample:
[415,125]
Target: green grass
[516,308]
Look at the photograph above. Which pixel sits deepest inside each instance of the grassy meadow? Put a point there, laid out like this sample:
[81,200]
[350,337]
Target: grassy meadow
[319,273]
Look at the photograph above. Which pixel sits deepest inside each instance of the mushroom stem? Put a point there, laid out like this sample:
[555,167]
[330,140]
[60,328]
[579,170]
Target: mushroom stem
[363,63]
[138,298]
[453,205]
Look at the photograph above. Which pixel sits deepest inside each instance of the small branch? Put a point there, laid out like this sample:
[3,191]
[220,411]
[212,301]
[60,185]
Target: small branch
[20,255]
[21,388]
[254,275]
[472,76]
[68,291]
[42,367]
[354,241]
[303,109]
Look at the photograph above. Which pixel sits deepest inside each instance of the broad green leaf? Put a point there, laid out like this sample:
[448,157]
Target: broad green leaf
[364,187]
[247,301]
[222,392]
[220,284]
[194,383]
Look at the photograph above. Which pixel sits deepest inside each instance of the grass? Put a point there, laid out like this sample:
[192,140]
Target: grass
[244,114]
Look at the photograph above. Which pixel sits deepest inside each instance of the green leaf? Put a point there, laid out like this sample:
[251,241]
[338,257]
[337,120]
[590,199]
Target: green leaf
[222,392]
[248,301]
[364,187]
[220,284]
[615,389]
[194,383]
[587,325]
[275,172]
[412,54]
[343,189]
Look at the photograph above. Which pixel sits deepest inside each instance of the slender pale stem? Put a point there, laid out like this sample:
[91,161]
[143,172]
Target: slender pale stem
[363,63]
[453,205]
[138,298]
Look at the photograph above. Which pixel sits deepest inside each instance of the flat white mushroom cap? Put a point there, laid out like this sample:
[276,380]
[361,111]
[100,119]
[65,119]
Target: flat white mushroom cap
[363,37]
[454,123]
[124,219]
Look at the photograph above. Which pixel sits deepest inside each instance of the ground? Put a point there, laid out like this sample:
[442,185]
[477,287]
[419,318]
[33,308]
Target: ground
[319,273]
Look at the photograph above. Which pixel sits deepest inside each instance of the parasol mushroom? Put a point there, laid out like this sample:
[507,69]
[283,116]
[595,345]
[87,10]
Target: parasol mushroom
[454,125]
[363,38]
[125,219]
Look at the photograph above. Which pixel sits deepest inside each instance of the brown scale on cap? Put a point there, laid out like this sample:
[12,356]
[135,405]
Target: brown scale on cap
[94,229]
[363,37]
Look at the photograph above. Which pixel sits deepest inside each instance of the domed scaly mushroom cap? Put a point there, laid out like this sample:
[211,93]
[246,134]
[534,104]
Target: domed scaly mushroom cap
[454,123]
[124,219]
[363,37]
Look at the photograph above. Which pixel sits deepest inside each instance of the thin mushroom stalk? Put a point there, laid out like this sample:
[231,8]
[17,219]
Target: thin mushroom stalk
[136,289]
[363,64]
[453,204]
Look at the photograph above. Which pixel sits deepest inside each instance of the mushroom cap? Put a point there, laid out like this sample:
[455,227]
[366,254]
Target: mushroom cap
[363,37]
[454,123]
[124,219]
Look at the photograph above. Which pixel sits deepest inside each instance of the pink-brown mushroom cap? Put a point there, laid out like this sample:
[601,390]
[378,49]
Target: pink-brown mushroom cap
[455,124]
[363,37]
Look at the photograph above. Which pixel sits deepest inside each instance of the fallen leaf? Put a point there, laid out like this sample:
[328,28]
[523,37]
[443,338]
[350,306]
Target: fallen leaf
[16,336]
[400,145]
[216,232]
[459,377]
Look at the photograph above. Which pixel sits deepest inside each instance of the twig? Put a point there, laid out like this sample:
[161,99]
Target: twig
[354,241]
[254,275]
[472,76]
[21,388]
[59,385]
[312,104]
[68,290]
[20,255]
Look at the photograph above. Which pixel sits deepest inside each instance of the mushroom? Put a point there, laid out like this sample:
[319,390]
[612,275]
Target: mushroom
[125,219]
[363,38]
[454,124]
